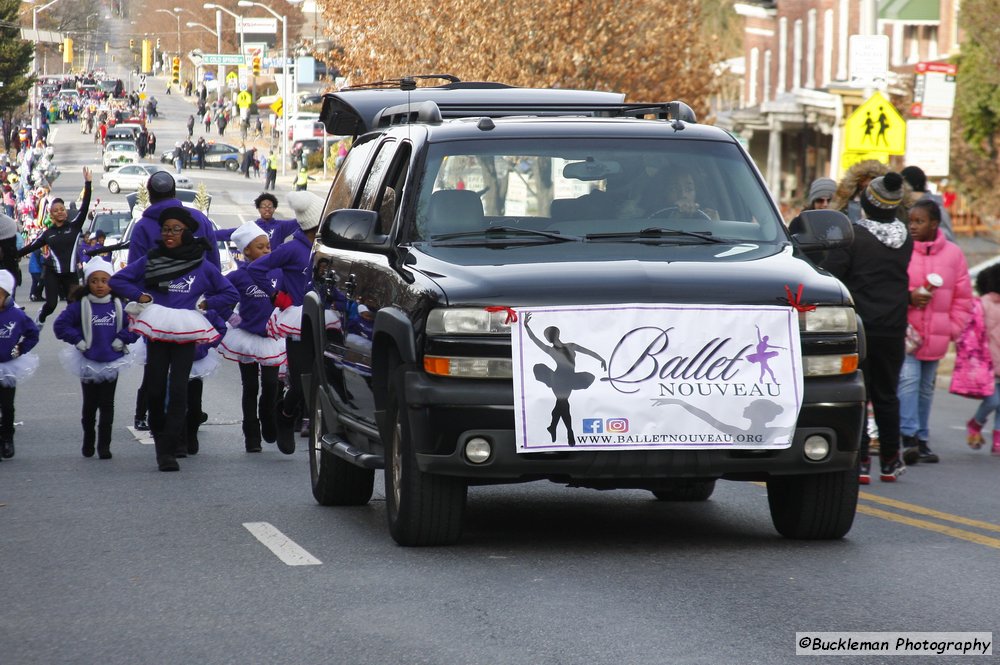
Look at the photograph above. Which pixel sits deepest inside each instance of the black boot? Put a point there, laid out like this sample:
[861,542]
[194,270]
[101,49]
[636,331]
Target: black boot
[165,458]
[909,450]
[192,441]
[104,441]
[926,455]
[88,440]
[285,426]
[7,447]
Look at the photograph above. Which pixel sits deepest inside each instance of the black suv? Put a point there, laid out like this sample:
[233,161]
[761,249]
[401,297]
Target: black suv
[514,284]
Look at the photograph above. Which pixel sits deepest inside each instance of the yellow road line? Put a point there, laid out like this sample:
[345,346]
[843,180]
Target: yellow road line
[920,510]
[931,526]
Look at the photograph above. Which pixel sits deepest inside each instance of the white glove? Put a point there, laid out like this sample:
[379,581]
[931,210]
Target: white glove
[82,345]
[15,352]
[118,345]
[235,320]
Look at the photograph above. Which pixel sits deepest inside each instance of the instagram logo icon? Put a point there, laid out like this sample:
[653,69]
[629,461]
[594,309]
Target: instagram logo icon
[616,425]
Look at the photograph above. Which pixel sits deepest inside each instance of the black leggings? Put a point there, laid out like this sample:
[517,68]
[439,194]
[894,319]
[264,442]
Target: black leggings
[56,284]
[255,411]
[98,397]
[294,399]
[168,369]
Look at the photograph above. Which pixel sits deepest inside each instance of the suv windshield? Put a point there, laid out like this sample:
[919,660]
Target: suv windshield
[600,189]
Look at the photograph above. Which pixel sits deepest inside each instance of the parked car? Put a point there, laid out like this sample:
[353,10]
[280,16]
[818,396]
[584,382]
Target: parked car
[485,251]
[118,153]
[130,177]
[218,155]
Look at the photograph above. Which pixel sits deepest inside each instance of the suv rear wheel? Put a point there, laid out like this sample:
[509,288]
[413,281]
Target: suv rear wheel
[422,508]
[335,481]
[817,506]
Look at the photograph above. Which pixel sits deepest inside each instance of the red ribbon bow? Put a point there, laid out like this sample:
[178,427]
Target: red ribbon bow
[796,300]
[511,314]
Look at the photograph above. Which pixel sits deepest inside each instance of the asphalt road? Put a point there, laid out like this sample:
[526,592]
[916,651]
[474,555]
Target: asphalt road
[113,562]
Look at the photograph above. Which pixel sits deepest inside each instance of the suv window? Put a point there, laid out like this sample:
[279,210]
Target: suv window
[579,187]
[349,177]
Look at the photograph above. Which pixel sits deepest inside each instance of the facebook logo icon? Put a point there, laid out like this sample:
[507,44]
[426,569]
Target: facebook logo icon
[593,425]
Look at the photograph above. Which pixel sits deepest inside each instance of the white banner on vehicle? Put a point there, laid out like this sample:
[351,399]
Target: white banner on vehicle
[641,377]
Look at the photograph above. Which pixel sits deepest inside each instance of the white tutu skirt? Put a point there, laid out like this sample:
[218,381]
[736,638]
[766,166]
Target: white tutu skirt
[17,369]
[245,347]
[333,320]
[164,324]
[91,371]
[205,367]
[285,323]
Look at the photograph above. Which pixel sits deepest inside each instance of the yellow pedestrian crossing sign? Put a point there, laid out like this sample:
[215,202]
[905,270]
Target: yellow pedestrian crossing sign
[875,127]
[243,99]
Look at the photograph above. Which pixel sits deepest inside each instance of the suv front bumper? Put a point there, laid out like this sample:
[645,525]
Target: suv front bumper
[445,413]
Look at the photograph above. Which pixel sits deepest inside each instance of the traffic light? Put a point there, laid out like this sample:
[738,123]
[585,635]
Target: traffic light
[131,43]
[256,65]
[157,43]
[68,50]
[176,75]
[147,56]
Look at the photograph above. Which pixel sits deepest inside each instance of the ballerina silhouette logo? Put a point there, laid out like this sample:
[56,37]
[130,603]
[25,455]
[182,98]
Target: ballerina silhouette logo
[759,412]
[763,354]
[564,379]
[8,330]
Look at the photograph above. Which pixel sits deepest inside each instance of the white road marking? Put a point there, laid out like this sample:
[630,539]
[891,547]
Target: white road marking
[281,545]
[145,438]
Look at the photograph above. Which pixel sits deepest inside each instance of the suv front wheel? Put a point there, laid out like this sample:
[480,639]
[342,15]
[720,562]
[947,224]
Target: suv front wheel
[335,481]
[819,506]
[423,508]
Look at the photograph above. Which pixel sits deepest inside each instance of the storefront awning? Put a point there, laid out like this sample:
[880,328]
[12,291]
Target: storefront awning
[907,11]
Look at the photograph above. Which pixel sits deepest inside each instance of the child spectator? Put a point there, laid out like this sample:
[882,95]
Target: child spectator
[988,285]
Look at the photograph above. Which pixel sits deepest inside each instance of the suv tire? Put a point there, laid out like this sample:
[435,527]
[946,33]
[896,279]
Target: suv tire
[686,490]
[422,508]
[335,481]
[817,506]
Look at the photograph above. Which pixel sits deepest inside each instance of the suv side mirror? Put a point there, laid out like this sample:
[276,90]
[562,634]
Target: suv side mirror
[821,230]
[349,226]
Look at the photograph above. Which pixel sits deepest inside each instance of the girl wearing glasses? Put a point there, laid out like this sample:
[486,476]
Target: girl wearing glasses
[170,288]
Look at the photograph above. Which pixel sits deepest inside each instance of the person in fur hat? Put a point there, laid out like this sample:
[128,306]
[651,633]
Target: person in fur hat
[847,197]
[874,269]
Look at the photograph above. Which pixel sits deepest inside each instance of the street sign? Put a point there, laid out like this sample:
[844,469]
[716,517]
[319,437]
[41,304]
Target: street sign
[869,61]
[278,107]
[243,100]
[222,59]
[928,144]
[875,127]
[257,26]
[209,76]
[232,80]
[934,90]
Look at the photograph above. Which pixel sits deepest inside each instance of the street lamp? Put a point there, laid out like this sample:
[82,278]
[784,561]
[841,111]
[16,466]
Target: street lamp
[218,29]
[34,66]
[284,72]
[176,13]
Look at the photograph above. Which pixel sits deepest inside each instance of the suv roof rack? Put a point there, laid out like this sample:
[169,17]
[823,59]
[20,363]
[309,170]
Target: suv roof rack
[354,112]
[401,82]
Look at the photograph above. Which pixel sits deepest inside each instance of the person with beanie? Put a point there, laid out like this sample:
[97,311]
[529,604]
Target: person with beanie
[821,192]
[847,197]
[874,269]
[938,313]
[95,327]
[9,258]
[292,260]
[259,355]
[917,179]
[60,265]
[18,336]
[146,232]
[166,288]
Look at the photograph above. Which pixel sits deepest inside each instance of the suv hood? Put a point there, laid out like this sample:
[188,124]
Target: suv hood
[623,273]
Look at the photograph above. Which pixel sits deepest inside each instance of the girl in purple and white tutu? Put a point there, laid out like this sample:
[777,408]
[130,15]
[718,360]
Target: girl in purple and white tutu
[248,343]
[96,327]
[166,287]
[18,335]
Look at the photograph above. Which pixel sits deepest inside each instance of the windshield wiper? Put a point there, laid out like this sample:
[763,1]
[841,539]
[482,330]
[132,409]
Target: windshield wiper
[500,232]
[654,233]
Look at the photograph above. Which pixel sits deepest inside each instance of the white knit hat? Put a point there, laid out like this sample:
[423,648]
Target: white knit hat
[308,209]
[246,234]
[7,281]
[96,264]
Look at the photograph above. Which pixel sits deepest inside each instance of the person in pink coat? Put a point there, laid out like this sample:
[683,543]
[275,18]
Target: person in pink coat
[939,314]
[988,285]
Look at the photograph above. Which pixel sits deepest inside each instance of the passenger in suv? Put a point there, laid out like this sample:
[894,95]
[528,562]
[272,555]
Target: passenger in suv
[464,211]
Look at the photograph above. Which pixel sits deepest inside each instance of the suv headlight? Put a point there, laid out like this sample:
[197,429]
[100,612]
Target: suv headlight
[829,320]
[467,321]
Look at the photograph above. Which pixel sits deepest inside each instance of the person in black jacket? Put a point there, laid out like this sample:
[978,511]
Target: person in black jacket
[874,269]
[9,259]
[60,266]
